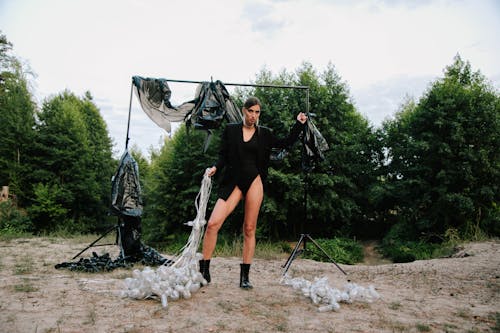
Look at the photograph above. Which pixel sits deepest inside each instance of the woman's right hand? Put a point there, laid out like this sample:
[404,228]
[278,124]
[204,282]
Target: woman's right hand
[211,171]
[302,117]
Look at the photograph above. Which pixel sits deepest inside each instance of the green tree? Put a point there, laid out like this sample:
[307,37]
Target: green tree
[142,164]
[47,208]
[17,114]
[172,183]
[444,157]
[102,164]
[73,155]
[337,187]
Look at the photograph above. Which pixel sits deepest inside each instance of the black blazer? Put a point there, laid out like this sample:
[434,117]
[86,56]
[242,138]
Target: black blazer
[229,164]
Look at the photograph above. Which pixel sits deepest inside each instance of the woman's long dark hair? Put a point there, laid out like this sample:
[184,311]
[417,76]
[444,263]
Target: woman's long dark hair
[251,101]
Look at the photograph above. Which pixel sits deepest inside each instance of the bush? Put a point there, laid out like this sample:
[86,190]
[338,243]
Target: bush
[400,245]
[342,250]
[13,220]
[47,210]
[407,251]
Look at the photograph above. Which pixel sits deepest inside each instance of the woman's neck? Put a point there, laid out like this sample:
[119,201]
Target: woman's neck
[246,125]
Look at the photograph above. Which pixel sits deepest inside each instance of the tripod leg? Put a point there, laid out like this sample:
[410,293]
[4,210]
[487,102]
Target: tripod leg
[91,244]
[293,255]
[326,254]
[119,240]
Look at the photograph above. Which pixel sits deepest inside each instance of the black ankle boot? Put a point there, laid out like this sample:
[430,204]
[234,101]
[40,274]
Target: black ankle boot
[244,282]
[205,269]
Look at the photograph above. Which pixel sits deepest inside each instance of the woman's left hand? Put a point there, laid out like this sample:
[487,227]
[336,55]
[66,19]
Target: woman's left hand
[302,118]
[211,171]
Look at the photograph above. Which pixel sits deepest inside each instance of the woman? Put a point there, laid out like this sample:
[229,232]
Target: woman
[244,156]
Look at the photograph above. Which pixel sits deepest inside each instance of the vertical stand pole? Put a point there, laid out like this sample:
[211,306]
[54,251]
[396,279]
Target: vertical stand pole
[304,237]
[129,111]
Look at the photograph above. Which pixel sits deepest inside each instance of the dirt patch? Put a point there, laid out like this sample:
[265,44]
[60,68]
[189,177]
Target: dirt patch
[371,255]
[441,295]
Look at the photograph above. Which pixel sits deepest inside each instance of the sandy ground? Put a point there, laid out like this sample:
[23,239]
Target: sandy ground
[459,294]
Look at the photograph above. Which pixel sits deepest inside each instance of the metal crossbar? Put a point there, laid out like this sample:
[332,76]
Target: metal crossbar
[277,86]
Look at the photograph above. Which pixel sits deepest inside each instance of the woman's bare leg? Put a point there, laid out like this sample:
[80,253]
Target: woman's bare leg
[221,211]
[253,201]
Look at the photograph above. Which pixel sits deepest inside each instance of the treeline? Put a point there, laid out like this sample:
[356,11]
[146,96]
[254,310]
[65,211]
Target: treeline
[429,174]
[56,158]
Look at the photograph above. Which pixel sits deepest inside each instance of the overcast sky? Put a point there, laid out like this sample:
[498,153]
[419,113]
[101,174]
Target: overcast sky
[382,49]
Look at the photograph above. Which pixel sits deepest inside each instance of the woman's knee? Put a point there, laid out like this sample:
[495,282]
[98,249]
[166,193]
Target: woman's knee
[249,231]
[213,225]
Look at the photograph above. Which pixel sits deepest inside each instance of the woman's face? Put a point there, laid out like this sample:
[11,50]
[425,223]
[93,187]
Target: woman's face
[251,115]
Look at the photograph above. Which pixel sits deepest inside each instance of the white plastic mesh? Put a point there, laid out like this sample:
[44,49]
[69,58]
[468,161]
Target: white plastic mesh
[327,297]
[182,277]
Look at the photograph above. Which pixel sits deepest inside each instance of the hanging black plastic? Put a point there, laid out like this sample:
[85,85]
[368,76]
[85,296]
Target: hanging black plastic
[126,189]
[314,143]
[154,97]
[212,104]
[126,203]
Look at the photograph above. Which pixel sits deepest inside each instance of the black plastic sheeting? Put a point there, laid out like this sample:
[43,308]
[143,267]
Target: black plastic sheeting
[126,203]
[212,104]
[126,189]
[104,263]
[315,144]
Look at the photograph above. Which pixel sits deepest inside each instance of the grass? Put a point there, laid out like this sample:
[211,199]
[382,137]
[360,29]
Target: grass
[450,327]
[464,313]
[25,287]
[282,327]
[398,327]
[342,250]
[496,317]
[55,238]
[8,236]
[423,328]
[226,306]
[91,316]
[397,246]
[263,249]
[24,266]
[135,330]
[395,306]
[221,325]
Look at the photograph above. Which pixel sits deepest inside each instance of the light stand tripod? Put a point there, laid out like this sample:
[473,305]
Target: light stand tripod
[118,240]
[305,237]
[296,252]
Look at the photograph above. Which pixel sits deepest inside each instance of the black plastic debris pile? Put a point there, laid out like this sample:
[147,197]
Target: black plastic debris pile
[104,263]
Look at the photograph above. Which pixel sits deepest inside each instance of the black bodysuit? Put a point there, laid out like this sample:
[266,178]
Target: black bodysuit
[240,162]
[248,157]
